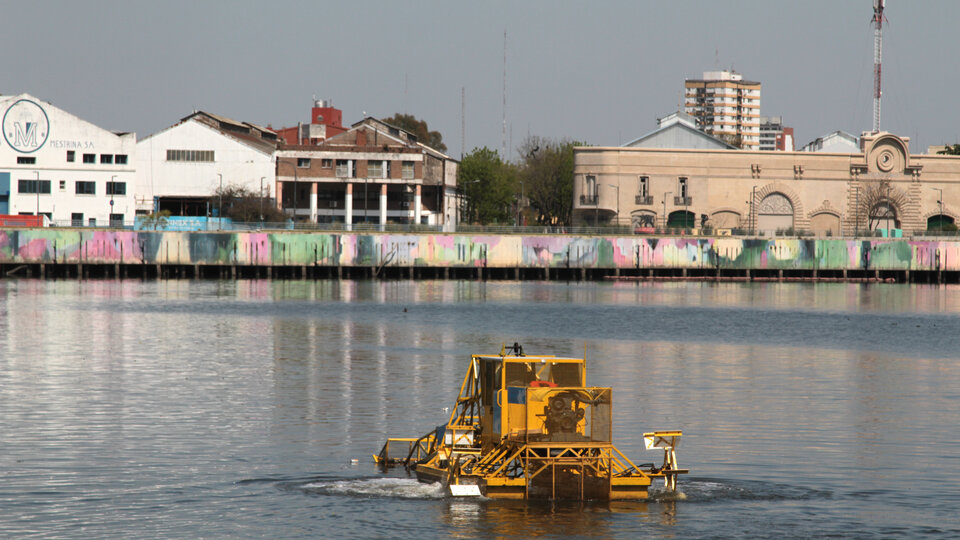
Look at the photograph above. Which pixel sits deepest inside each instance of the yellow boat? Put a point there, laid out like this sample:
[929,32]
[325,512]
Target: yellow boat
[528,427]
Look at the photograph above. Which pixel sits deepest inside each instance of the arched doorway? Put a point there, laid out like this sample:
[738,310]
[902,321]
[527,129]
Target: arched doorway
[941,222]
[883,216]
[825,223]
[681,219]
[643,219]
[774,213]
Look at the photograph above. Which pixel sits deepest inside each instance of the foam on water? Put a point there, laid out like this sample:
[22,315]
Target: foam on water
[394,488]
[711,490]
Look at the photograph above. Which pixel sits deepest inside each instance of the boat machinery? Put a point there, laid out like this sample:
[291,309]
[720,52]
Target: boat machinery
[528,427]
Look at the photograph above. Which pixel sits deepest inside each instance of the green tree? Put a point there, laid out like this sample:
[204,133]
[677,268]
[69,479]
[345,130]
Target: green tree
[408,122]
[489,187]
[547,175]
[951,150]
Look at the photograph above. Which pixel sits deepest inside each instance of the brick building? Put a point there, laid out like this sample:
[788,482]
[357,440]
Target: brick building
[372,173]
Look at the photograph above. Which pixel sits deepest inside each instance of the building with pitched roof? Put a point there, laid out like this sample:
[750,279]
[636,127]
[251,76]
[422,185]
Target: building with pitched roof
[55,164]
[181,167]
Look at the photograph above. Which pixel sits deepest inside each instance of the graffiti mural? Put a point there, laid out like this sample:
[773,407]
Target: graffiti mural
[287,248]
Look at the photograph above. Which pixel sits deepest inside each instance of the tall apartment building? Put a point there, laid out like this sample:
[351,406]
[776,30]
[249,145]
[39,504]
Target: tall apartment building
[725,106]
[774,135]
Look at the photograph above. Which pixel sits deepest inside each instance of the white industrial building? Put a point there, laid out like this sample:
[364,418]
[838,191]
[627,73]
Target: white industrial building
[182,166]
[59,166]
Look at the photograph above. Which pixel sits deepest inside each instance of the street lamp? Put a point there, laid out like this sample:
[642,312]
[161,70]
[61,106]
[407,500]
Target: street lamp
[261,199]
[38,193]
[665,208]
[112,190]
[520,206]
[856,219]
[220,204]
[617,187]
[940,203]
[753,214]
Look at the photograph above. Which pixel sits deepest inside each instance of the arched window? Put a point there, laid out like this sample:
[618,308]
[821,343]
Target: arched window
[774,213]
[883,216]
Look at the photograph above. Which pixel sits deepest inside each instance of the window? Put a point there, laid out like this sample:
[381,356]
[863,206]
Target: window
[24,160]
[591,190]
[116,220]
[92,222]
[116,188]
[406,169]
[71,156]
[303,163]
[63,185]
[644,186]
[682,187]
[89,158]
[345,168]
[120,159]
[106,159]
[30,186]
[326,163]
[85,188]
[76,220]
[374,169]
[191,155]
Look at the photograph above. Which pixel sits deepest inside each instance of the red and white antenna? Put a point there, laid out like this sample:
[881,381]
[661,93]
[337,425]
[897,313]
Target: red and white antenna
[877,21]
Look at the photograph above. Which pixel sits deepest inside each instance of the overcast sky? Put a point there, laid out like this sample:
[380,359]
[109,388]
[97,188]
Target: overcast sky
[598,72]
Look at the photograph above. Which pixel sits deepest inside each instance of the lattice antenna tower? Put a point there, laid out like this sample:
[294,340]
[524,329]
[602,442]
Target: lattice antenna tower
[503,137]
[877,21]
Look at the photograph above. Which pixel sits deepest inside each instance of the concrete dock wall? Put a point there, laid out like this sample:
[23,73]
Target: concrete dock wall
[434,250]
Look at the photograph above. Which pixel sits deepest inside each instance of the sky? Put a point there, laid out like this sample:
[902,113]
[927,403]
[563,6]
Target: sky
[597,72]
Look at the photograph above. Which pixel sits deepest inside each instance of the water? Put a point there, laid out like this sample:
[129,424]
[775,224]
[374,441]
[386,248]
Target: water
[182,409]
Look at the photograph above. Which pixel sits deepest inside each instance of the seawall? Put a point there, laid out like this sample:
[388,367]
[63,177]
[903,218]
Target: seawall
[53,252]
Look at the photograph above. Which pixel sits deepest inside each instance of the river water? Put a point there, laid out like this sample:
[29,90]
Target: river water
[189,409]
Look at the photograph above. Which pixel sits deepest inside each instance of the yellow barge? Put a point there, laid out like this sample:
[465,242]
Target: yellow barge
[528,427]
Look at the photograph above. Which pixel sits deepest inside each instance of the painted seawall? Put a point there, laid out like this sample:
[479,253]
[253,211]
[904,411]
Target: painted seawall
[433,250]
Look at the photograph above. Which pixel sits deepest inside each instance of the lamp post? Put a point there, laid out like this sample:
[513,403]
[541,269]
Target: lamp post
[753,214]
[520,206]
[617,187]
[665,208]
[261,199]
[113,189]
[856,214]
[38,193]
[220,204]
[940,203]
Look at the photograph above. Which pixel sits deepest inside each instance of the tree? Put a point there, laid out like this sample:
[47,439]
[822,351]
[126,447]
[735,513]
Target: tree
[243,205]
[879,202]
[950,150]
[408,122]
[547,175]
[488,186]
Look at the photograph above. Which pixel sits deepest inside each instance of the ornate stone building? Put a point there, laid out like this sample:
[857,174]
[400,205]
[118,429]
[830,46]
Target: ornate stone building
[881,187]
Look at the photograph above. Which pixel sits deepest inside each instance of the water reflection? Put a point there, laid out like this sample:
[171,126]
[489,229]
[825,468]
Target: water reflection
[140,395]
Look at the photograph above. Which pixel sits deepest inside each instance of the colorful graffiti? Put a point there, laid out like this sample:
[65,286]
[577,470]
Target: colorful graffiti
[285,248]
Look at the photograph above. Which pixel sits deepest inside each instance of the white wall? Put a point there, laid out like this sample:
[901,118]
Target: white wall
[55,133]
[239,163]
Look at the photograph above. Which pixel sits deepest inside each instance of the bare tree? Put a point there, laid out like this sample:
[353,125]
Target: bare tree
[879,201]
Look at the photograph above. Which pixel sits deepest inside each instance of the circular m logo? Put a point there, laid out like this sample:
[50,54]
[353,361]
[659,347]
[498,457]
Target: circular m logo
[26,126]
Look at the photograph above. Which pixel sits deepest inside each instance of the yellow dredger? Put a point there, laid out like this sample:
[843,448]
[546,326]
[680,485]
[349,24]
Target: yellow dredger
[528,427]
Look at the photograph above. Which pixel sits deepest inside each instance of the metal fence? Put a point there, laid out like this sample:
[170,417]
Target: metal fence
[610,230]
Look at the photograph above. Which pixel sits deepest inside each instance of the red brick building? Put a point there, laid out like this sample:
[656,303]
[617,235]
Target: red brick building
[371,173]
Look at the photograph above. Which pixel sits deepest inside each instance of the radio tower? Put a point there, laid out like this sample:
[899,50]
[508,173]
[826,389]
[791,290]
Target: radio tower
[503,140]
[877,21]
